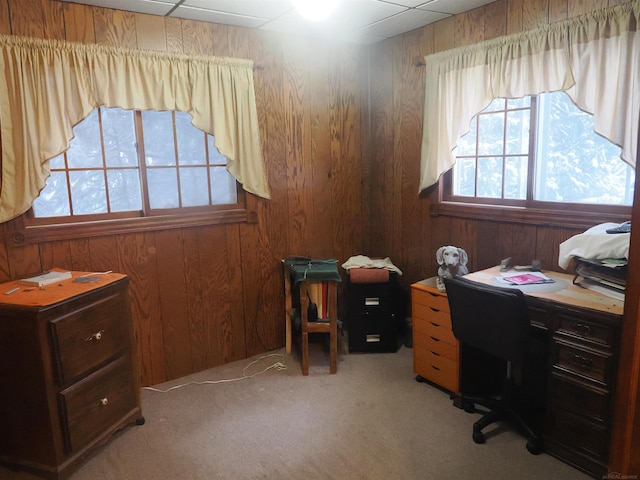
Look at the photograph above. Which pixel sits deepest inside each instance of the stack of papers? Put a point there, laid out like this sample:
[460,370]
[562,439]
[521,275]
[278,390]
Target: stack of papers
[519,278]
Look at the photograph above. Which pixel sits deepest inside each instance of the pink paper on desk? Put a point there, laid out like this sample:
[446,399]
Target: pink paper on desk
[527,279]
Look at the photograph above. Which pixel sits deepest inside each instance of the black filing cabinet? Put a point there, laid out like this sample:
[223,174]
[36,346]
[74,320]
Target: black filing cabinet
[374,316]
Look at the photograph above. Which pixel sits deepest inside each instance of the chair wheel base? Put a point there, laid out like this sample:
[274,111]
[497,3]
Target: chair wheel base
[534,446]
[478,437]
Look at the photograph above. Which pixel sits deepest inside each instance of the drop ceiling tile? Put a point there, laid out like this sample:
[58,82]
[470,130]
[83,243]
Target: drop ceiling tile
[192,13]
[350,14]
[402,22]
[453,6]
[251,8]
[153,7]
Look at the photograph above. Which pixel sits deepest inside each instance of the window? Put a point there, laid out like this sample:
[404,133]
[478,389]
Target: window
[123,163]
[539,152]
[128,171]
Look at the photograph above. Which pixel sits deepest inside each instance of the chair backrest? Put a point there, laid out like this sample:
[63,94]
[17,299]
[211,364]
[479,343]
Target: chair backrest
[491,319]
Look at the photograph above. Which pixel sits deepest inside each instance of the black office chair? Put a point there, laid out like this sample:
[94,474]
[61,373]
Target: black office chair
[493,320]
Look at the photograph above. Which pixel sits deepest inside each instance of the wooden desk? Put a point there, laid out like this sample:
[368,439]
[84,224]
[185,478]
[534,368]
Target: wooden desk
[581,330]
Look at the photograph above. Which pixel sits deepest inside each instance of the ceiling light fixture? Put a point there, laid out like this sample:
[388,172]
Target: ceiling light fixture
[316,10]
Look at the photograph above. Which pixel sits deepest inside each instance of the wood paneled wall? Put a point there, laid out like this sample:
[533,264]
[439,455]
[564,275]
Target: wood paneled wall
[401,226]
[341,128]
[210,295]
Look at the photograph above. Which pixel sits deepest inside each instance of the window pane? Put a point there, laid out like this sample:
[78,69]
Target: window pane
[223,186]
[88,192]
[119,135]
[124,190]
[194,187]
[53,200]
[518,131]
[158,138]
[496,104]
[163,188]
[464,176]
[523,102]
[86,148]
[491,134]
[57,162]
[574,164]
[215,157]
[490,177]
[515,178]
[191,142]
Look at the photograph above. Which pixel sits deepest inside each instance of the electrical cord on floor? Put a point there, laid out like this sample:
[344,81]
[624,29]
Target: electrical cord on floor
[279,365]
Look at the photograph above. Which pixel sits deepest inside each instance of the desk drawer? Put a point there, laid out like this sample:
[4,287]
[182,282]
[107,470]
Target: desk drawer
[583,361]
[436,368]
[579,398]
[423,314]
[94,404]
[584,329]
[431,300]
[578,434]
[89,337]
[436,346]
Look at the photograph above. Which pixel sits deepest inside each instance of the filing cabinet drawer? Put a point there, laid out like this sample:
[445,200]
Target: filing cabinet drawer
[97,402]
[436,368]
[88,337]
[431,300]
[439,347]
[585,400]
[589,363]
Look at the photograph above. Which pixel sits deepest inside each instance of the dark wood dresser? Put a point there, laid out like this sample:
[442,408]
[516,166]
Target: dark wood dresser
[68,374]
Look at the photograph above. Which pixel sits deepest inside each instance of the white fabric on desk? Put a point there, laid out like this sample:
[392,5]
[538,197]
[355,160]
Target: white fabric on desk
[595,243]
[362,261]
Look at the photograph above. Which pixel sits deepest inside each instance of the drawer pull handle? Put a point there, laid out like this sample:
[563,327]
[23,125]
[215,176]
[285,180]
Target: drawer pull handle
[435,339]
[581,361]
[435,368]
[104,401]
[581,327]
[95,336]
[435,324]
[435,353]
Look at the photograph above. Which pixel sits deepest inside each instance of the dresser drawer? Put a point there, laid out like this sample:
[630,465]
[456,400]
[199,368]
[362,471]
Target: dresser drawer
[436,368]
[88,337]
[578,398]
[94,404]
[435,345]
[583,361]
[428,299]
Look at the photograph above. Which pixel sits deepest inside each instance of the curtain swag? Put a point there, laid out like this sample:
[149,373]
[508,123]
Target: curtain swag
[594,58]
[48,86]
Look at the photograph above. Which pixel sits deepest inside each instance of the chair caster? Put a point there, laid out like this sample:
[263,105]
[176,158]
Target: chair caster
[478,437]
[469,407]
[534,446]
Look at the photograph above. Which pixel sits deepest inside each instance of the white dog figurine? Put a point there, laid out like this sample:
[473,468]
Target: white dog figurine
[453,263]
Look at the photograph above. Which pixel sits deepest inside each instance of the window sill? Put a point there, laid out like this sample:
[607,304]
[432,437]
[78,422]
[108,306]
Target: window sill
[19,232]
[529,216]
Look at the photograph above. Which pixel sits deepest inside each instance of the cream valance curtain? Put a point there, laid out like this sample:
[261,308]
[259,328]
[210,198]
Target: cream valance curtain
[594,58]
[48,86]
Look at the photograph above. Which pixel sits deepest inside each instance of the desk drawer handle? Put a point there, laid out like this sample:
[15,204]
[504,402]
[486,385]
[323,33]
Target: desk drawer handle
[581,361]
[95,336]
[435,353]
[581,327]
[435,339]
[435,368]
[435,324]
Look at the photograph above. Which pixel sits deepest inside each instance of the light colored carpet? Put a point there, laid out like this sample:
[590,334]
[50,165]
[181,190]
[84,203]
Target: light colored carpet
[371,420]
